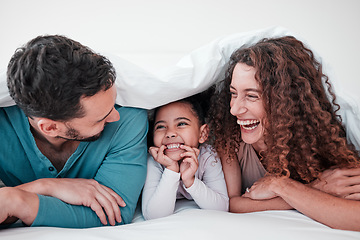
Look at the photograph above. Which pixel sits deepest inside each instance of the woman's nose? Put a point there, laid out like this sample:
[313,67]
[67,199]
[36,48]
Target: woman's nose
[238,107]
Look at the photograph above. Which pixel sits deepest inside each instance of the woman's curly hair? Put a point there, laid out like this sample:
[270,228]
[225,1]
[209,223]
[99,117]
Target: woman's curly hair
[303,133]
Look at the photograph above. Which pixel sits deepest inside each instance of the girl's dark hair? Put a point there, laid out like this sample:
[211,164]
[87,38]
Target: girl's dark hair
[50,74]
[199,103]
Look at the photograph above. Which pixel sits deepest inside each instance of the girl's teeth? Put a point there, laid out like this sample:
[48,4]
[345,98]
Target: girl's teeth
[171,146]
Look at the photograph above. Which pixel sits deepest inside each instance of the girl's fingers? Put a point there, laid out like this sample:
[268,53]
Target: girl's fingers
[154,152]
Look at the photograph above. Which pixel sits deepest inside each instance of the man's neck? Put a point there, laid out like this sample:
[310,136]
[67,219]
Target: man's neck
[57,150]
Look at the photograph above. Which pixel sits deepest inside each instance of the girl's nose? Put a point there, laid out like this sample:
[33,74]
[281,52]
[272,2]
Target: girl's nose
[171,133]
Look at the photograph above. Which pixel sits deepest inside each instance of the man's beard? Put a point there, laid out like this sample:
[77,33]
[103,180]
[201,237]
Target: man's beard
[74,135]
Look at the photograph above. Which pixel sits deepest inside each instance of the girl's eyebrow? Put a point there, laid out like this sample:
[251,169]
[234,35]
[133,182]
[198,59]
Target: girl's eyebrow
[183,118]
[161,121]
[177,119]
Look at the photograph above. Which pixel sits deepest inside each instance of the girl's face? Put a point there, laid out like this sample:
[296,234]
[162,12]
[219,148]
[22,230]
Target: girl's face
[175,125]
[247,106]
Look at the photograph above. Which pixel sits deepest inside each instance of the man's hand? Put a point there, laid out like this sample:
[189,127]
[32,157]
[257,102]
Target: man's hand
[77,191]
[344,183]
[189,165]
[17,204]
[158,154]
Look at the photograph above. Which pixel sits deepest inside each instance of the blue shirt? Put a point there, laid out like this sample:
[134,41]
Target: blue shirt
[117,160]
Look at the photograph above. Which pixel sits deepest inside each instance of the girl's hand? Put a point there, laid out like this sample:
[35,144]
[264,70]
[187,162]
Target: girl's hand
[261,189]
[158,154]
[189,165]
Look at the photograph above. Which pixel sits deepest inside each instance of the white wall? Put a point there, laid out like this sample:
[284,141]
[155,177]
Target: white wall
[156,33]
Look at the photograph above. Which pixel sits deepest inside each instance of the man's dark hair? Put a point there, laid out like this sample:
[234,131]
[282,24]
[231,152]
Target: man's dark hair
[50,74]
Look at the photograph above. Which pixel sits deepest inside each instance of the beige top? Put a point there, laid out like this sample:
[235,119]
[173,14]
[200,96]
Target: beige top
[251,167]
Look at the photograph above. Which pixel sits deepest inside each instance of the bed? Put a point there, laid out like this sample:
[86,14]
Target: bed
[194,73]
[189,222]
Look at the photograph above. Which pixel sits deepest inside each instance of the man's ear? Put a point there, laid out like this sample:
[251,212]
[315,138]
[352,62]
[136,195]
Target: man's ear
[48,127]
[204,133]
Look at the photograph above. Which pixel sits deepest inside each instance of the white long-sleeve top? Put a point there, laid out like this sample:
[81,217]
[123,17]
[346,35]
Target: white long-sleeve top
[163,186]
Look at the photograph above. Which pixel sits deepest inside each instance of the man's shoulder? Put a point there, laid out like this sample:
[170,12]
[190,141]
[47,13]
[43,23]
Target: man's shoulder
[10,110]
[132,115]
[12,114]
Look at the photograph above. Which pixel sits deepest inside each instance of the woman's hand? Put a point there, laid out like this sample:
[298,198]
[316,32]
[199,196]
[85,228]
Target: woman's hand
[189,165]
[344,183]
[261,189]
[158,154]
[77,191]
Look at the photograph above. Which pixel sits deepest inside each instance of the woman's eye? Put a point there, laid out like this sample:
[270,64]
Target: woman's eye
[252,97]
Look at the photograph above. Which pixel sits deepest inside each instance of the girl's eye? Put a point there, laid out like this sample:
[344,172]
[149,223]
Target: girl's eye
[159,127]
[182,124]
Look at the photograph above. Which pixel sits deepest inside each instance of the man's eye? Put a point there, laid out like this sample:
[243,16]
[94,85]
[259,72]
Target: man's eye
[233,94]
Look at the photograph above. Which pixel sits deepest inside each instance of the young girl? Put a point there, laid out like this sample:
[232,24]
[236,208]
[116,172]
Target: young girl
[180,165]
[276,132]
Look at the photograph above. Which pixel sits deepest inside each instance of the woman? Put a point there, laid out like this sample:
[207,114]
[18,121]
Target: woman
[280,132]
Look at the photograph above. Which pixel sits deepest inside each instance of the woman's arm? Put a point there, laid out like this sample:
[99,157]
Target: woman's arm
[232,175]
[332,211]
[344,183]
[241,204]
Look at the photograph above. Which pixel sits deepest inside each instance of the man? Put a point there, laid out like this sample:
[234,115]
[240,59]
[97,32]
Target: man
[66,156]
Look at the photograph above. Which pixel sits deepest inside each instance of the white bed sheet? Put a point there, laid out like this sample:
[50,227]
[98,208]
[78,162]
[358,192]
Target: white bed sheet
[189,222]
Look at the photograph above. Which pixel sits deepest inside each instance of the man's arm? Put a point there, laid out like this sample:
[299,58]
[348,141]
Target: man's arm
[18,204]
[77,191]
[123,170]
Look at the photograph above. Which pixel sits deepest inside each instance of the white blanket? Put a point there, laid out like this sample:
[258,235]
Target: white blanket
[197,71]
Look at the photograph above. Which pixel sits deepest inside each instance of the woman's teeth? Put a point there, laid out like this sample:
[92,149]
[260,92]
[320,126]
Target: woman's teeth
[248,124]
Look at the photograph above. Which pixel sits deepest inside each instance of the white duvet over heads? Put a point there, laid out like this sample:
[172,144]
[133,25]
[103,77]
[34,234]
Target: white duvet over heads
[196,72]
